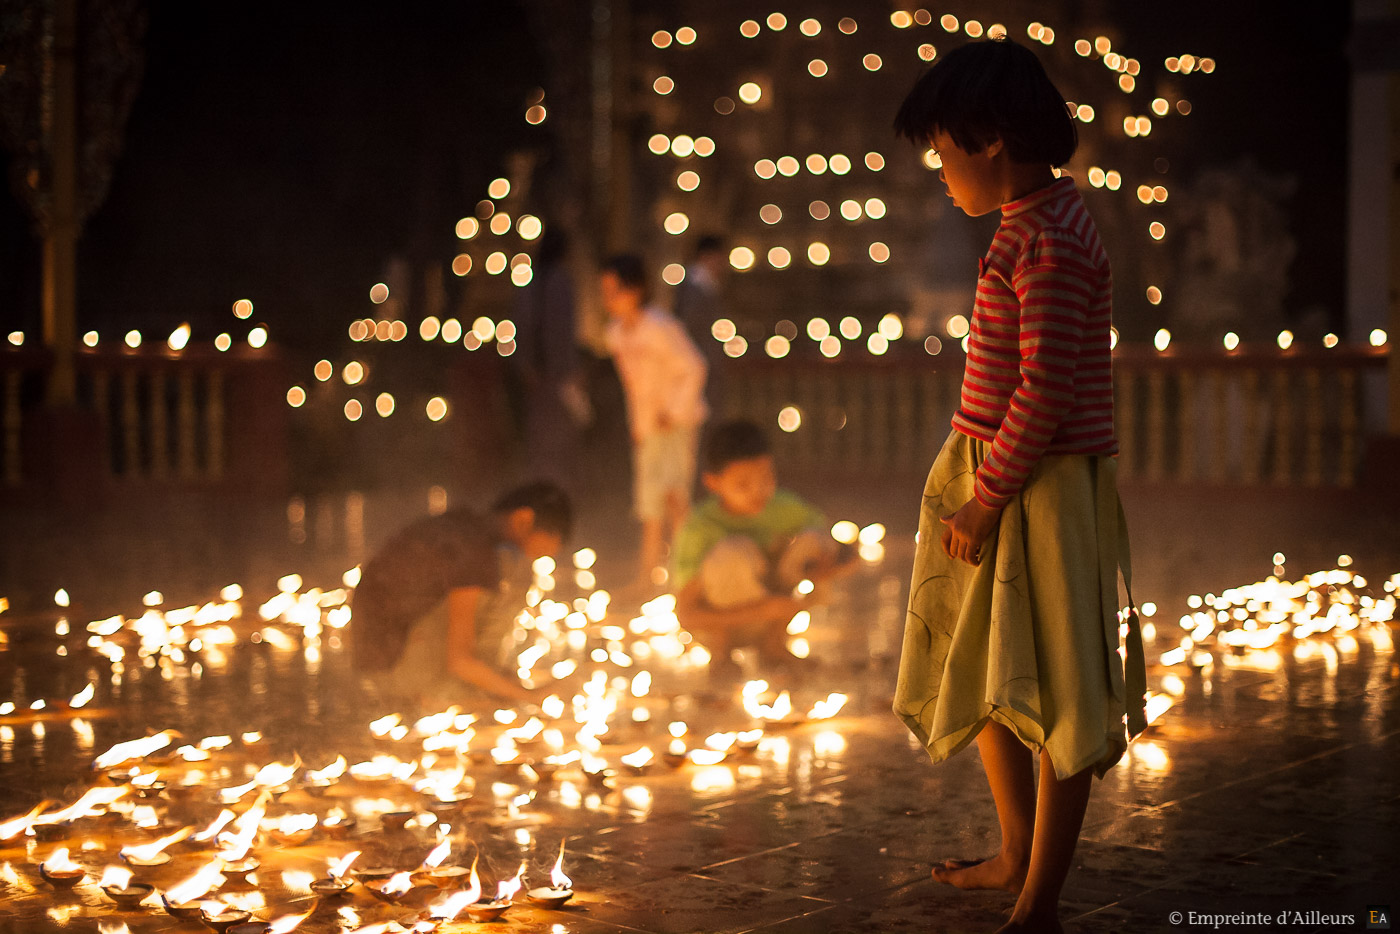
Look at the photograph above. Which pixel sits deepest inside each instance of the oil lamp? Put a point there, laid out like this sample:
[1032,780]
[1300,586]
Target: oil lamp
[61,872]
[560,889]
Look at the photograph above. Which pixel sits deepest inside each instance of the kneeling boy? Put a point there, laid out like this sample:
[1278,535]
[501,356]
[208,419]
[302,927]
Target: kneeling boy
[741,552]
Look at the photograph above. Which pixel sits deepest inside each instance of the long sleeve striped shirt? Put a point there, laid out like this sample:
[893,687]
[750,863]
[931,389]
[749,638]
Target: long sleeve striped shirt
[1039,374]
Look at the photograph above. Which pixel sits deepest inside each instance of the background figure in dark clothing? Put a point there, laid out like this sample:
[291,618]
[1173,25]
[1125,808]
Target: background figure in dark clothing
[699,303]
[556,405]
[434,608]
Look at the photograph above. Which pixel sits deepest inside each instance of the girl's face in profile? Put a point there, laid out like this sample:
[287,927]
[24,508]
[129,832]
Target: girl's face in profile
[972,179]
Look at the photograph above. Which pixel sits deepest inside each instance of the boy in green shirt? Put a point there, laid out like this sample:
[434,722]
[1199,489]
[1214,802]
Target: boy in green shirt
[740,554]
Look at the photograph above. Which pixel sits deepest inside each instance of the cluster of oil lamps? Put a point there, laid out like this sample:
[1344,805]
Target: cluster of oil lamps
[1325,612]
[137,780]
[155,783]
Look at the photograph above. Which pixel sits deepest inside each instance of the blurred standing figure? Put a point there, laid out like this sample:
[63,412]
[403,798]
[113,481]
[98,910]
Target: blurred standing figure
[699,304]
[547,361]
[663,380]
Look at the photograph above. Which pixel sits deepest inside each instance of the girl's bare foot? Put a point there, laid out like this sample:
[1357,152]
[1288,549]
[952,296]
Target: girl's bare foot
[999,872]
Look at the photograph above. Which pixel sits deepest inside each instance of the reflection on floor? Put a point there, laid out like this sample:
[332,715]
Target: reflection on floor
[1269,786]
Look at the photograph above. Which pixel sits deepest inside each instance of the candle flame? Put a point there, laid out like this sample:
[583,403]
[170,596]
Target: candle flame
[236,793]
[473,891]
[507,888]
[639,758]
[82,698]
[134,749]
[383,725]
[151,850]
[438,854]
[707,756]
[826,709]
[288,923]
[18,825]
[115,877]
[205,878]
[339,867]
[451,906]
[556,875]
[398,884]
[240,841]
[210,832]
[292,824]
[91,799]
[330,773]
[113,927]
[1157,704]
[275,773]
[58,861]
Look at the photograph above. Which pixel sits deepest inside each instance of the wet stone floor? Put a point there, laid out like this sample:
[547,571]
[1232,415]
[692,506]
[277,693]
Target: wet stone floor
[1269,786]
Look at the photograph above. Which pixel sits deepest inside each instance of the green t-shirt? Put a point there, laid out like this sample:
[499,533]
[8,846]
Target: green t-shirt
[710,523]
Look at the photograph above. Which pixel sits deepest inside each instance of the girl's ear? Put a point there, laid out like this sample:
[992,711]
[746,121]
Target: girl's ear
[994,148]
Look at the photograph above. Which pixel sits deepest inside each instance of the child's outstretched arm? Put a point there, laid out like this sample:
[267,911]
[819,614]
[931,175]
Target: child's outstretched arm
[695,614]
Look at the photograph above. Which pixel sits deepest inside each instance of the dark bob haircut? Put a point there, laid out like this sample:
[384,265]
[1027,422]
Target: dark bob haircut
[630,270]
[989,90]
[551,506]
[731,441]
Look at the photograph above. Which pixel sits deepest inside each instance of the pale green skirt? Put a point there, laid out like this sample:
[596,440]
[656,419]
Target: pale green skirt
[1030,637]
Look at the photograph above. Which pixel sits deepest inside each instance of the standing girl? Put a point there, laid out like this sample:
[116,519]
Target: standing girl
[1012,634]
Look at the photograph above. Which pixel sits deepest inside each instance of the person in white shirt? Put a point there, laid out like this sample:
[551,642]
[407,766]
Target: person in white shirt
[663,381]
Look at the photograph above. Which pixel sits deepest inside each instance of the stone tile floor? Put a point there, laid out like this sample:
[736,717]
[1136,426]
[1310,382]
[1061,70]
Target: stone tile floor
[1266,788]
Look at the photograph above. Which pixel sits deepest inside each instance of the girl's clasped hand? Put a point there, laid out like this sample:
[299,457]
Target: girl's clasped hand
[965,531]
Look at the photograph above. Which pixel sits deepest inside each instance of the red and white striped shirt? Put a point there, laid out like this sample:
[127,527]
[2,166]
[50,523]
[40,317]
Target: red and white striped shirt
[1039,374]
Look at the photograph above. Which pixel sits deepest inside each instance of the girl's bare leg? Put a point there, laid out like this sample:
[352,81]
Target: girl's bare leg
[1058,819]
[1008,765]
[653,544]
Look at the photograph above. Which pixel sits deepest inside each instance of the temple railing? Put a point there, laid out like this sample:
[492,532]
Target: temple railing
[148,418]
[199,419]
[1187,416]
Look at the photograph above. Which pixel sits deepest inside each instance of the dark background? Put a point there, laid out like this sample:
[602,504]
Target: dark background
[284,152]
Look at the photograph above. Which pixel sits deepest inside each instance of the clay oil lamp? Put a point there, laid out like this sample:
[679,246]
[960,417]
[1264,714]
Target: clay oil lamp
[395,820]
[182,900]
[183,912]
[223,918]
[152,854]
[675,753]
[283,925]
[392,890]
[292,829]
[560,889]
[490,910]
[748,740]
[337,880]
[639,762]
[337,825]
[317,781]
[238,870]
[373,875]
[61,872]
[596,771]
[116,884]
[433,872]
